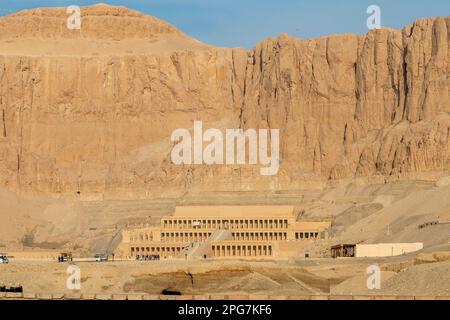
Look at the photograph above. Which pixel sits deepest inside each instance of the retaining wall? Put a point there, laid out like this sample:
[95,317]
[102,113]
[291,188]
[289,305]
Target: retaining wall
[132,296]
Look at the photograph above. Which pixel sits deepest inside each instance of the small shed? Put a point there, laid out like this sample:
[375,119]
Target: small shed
[343,250]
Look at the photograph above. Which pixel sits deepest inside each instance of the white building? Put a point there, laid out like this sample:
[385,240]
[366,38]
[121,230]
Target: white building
[386,249]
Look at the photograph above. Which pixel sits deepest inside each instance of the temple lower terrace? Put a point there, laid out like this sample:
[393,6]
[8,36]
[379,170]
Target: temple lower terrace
[223,232]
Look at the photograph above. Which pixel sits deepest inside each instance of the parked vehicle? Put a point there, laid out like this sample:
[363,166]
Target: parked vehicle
[11,289]
[65,256]
[101,257]
[3,258]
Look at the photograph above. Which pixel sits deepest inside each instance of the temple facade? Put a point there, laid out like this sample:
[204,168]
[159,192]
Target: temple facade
[223,232]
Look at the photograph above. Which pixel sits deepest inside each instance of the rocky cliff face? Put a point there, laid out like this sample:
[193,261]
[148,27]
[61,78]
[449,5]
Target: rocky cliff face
[89,113]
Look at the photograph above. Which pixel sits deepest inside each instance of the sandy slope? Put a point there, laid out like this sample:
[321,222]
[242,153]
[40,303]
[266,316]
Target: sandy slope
[360,214]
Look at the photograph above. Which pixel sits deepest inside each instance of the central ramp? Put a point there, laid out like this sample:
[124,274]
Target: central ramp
[197,250]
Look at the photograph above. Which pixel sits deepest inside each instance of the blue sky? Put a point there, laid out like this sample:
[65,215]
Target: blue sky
[244,23]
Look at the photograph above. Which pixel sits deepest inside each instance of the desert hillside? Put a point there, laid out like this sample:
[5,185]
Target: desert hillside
[89,113]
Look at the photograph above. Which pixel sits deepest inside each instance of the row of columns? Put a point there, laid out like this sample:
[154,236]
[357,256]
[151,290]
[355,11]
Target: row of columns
[259,236]
[306,235]
[242,250]
[162,250]
[225,224]
[203,236]
[185,236]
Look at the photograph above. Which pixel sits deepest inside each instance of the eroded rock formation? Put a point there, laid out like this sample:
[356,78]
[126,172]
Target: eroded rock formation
[91,112]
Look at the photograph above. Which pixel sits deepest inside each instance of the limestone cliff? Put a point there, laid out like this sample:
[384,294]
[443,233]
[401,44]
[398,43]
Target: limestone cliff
[90,112]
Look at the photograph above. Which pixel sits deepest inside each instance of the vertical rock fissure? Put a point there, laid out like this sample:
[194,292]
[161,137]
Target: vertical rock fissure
[405,84]
[4,123]
[244,92]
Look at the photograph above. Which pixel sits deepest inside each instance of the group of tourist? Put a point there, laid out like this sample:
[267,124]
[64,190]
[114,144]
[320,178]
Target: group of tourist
[147,257]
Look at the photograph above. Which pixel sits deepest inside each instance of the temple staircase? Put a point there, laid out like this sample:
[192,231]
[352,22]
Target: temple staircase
[198,250]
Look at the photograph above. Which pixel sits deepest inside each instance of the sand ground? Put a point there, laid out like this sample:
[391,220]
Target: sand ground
[404,275]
